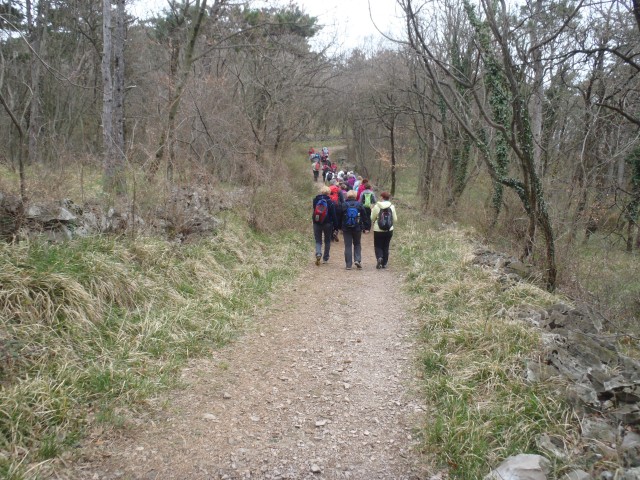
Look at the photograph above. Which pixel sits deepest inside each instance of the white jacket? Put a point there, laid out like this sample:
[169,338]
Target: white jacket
[375,211]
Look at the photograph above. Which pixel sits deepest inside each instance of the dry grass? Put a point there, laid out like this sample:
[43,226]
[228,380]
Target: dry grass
[481,407]
[94,326]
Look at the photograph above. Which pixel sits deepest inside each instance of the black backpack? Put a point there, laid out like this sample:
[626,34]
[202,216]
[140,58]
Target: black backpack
[385,219]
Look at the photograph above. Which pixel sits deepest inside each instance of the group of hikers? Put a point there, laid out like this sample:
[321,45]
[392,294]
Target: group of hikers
[322,164]
[348,203]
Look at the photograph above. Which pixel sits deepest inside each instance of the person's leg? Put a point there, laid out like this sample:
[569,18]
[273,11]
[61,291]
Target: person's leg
[317,235]
[377,246]
[327,229]
[357,248]
[347,236]
[368,210]
[385,247]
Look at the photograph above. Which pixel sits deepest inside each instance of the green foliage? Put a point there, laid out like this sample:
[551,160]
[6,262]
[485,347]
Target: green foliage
[11,18]
[290,20]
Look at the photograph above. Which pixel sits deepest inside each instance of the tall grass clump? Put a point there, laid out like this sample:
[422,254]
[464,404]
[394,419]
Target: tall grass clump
[481,407]
[96,325]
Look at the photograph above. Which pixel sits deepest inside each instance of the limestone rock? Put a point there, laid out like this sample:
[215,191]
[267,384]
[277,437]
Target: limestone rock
[577,475]
[521,467]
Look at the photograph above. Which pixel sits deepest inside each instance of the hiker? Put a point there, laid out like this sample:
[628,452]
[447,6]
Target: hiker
[315,168]
[356,184]
[383,217]
[328,177]
[312,153]
[325,170]
[361,187]
[354,220]
[351,179]
[338,200]
[367,199]
[324,220]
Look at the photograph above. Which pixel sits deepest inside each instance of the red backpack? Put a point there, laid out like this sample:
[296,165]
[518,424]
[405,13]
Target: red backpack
[320,211]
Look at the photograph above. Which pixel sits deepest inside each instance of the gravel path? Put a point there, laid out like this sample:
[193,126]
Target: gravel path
[323,387]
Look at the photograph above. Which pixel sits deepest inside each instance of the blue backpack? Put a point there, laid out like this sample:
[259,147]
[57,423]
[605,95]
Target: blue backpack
[351,217]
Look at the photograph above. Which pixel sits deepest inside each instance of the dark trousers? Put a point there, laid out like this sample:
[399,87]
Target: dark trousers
[319,230]
[381,241]
[316,174]
[352,246]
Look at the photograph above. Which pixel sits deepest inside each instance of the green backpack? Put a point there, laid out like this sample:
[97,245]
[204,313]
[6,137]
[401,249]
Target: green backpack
[367,199]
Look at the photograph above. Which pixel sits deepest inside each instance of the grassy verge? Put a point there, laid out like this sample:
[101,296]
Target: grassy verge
[91,328]
[481,408]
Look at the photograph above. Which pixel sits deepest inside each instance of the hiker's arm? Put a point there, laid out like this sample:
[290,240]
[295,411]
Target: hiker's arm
[374,213]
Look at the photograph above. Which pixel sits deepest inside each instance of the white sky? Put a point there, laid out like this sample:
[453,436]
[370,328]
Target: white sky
[346,21]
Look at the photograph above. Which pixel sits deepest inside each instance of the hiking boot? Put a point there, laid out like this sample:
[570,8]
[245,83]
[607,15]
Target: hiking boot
[384,266]
[379,264]
[318,257]
[358,266]
[348,268]
[324,262]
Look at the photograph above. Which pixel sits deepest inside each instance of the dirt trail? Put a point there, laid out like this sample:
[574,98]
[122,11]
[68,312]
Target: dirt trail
[322,388]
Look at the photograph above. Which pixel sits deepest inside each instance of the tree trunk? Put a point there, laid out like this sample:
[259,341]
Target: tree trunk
[37,41]
[120,184]
[392,138]
[21,150]
[182,72]
[109,154]
[537,97]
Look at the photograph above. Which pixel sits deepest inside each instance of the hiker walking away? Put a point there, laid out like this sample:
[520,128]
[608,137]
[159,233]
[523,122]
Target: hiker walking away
[315,167]
[356,184]
[338,200]
[383,217]
[361,187]
[368,199]
[354,221]
[351,180]
[324,219]
[325,170]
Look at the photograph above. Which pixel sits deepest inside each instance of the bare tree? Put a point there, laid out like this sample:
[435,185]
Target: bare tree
[113,164]
[504,84]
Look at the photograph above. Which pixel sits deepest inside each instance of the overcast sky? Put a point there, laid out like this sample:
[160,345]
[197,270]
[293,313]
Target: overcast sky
[346,21]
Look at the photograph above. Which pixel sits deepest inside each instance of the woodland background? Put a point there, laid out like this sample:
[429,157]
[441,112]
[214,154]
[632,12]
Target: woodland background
[520,119]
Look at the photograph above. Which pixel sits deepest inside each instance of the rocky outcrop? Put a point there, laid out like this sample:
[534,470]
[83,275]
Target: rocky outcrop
[186,212]
[521,467]
[602,383]
[507,267]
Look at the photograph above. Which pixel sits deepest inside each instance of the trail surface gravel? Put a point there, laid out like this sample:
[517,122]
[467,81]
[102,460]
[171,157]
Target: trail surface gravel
[322,387]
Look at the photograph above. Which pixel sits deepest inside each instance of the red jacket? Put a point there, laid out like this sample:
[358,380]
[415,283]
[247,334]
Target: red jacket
[335,194]
[361,188]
